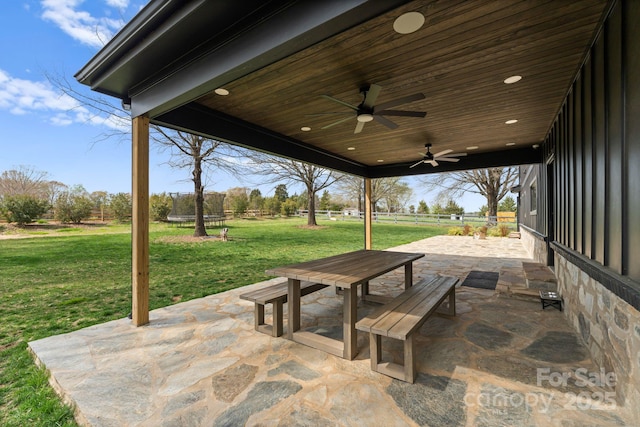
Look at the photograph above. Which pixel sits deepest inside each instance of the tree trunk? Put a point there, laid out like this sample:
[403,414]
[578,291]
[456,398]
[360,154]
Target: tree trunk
[311,214]
[492,206]
[199,229]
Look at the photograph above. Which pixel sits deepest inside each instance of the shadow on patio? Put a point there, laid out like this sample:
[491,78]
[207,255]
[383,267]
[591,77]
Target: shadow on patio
[500,361]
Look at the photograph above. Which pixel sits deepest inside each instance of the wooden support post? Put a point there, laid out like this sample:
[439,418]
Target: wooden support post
[140,221]
[368,217]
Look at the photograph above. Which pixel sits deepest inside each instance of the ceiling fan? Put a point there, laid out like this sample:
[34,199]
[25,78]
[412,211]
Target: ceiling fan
[368,111]
[442,156]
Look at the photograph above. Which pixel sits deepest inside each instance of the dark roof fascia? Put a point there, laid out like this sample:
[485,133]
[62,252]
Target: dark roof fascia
[195,118]
[494,159]
[131,38]
[299,26]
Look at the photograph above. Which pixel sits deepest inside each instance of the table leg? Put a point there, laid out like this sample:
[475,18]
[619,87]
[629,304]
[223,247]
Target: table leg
[365,290]
[408,275]
[293,302]
[349,323]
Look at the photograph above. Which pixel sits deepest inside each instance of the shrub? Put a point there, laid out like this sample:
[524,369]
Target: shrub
[466,230]
[504,230]
[23,209]
[72,207]
[288,208]
[493,232]
[121,206]
[481,229]
[455,231]
[160,206]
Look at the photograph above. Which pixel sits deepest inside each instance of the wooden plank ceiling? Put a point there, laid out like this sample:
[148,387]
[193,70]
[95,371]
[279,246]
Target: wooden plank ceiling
[458,60]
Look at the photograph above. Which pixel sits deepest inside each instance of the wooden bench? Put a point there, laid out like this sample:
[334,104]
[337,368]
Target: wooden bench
[401,318]
[275,294]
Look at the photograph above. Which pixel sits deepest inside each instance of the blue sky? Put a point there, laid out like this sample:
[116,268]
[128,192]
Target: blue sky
[42,129]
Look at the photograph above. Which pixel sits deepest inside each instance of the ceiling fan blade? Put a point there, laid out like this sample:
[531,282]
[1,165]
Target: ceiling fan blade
[383,120]
[359,127]
[346,104]
[341,113]
[400,113]
[442,153]
[335,123]
[372,95]
[448,159]
[416,164]
[399,101]
[433,163]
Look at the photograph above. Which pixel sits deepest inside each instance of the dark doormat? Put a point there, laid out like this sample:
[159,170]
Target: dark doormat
[481,279]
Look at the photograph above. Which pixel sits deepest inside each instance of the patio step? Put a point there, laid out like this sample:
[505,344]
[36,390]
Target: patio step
[526,282]
[539,277]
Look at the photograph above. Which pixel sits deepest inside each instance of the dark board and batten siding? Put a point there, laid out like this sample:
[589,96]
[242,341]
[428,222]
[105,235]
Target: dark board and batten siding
[595,147]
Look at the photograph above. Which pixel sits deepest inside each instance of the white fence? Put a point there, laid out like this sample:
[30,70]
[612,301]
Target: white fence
[473,219]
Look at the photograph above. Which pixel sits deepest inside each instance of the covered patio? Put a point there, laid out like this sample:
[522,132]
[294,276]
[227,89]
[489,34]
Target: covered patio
[201,362]
[361,87]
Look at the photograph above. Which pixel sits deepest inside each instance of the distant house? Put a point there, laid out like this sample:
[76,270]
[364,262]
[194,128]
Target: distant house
[350,212]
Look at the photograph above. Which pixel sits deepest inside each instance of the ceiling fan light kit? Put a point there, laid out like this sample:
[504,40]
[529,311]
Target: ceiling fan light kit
[365,117]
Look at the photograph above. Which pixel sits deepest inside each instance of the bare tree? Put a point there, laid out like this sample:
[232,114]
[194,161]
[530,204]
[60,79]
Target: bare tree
[393,191]
[314,178]
[192,152]
[492,183]
[24,180]
[352,187]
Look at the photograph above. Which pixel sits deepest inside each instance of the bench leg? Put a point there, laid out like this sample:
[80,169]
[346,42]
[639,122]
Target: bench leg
[375,346]
[452,302]
[277,318]
[409,360]
[258,316]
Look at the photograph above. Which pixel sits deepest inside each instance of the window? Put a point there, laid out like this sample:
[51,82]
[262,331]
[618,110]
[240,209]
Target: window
[533,197]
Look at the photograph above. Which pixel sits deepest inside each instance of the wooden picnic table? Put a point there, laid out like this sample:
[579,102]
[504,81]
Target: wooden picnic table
[345,271]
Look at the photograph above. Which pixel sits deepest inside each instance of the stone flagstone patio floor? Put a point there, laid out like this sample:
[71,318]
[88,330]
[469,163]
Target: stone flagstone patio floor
[499,362]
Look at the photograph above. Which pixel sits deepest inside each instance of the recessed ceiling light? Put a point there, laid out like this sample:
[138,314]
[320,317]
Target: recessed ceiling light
[305,128]
[408,23]
[221,91]
[510,144]
[380,160]
[512,121]
[351,148]
[473,147]
[512,79]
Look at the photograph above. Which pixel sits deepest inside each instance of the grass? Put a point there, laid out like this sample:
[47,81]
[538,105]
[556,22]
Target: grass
[60,283]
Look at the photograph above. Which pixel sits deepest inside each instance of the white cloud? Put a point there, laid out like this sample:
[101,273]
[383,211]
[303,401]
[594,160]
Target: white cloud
[120,4]
[81,25]
[20,96]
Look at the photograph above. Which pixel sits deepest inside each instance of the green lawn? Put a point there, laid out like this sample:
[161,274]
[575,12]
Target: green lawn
[65,281]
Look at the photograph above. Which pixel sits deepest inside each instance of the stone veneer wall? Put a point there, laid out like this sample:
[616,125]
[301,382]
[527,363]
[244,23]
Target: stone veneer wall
[609,326]
[536,246]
